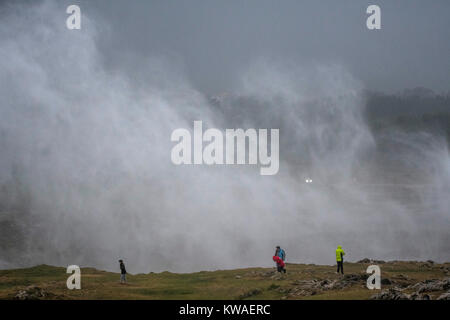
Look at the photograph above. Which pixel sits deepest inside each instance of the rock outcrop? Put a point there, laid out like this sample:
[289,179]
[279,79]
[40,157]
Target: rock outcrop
[390,294]
[421,290]
[32,293]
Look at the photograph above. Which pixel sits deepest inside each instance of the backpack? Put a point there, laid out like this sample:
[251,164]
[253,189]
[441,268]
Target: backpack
[282,254]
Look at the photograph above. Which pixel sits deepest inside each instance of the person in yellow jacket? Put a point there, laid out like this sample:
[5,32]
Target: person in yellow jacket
[340,259]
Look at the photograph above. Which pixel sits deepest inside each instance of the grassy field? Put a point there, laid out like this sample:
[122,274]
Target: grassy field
[251,283]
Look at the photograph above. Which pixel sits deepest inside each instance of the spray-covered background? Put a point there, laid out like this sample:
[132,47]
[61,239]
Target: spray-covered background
[86,117]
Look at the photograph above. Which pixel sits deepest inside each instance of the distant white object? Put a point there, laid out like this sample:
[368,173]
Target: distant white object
[308,180]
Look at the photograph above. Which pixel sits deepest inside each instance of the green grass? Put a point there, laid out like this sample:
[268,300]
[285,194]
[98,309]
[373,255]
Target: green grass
[250,283]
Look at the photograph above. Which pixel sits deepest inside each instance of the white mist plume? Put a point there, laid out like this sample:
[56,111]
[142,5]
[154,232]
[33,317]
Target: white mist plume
[87,153]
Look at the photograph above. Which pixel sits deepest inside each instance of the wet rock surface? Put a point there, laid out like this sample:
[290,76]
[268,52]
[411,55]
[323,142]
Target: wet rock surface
[444,296]
[390,294]
[32,293]
[316,286]
[432,285]
[421,291]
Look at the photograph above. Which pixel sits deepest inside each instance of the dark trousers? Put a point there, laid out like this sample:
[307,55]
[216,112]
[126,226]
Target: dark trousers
[281,269]
[340,266]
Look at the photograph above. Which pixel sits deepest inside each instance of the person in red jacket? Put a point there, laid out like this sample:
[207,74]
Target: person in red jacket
[280,264]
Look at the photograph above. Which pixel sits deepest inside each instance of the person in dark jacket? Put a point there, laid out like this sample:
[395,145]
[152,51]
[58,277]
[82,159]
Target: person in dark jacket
[123,272]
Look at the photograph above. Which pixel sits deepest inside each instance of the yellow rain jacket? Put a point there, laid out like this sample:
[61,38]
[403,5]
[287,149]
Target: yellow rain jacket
[339,251]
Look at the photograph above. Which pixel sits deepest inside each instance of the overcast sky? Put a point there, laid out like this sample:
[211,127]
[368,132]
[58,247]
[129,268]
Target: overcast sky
[213,40]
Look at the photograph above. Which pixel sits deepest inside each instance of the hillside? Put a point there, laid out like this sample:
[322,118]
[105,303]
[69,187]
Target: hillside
[301,282]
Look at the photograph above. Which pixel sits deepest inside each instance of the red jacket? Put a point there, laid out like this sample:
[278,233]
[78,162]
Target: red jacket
[278,260]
